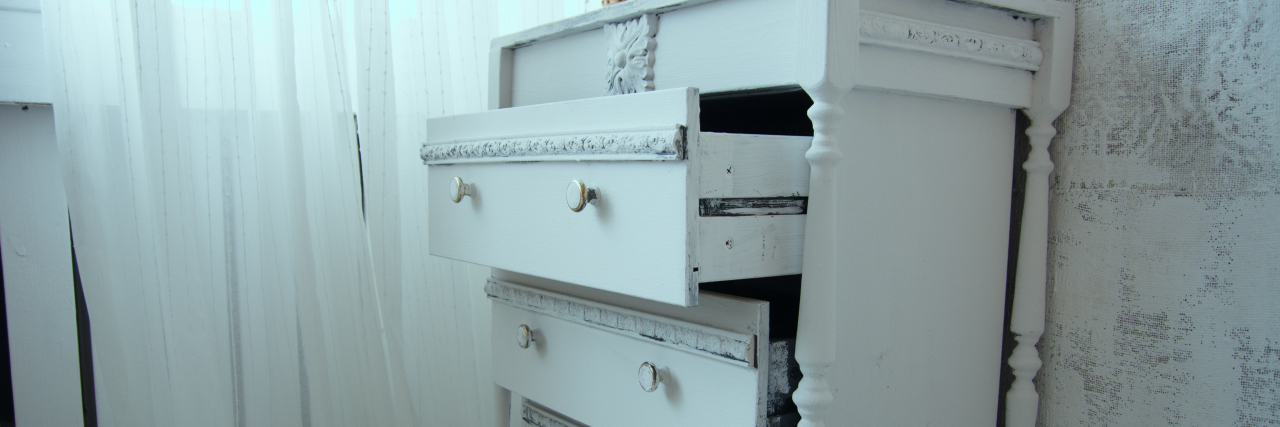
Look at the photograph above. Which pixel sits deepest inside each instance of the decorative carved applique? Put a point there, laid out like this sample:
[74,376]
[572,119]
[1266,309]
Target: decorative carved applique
[630,60]
[667,144]
[704,341]
[906,33]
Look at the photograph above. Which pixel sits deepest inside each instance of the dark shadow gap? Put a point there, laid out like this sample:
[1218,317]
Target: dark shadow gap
[6,377]
[88,399]
[776,111]
[1022,148]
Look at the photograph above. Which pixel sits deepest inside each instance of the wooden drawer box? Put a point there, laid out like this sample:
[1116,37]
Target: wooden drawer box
[674,206]
[585,358]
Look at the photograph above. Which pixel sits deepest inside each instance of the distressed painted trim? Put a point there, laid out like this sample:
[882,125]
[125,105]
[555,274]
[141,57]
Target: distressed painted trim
[666,144]
[655,328]
[629,58]
[913,34]
[536,417]
[752,206]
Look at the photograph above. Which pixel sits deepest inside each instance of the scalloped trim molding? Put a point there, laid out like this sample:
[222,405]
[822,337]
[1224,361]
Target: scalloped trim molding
[666,144]
[703,341]
[535,417]
[913,34]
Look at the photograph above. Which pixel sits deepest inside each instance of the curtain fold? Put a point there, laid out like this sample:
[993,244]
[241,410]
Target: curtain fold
[249,207]
[214,184]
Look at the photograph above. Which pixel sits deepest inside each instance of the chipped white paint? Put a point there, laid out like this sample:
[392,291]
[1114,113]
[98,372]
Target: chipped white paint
[1164,292]
[914,34]
[670,332]
[666,144]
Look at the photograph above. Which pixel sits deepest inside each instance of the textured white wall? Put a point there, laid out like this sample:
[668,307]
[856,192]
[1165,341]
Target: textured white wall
[1164,264]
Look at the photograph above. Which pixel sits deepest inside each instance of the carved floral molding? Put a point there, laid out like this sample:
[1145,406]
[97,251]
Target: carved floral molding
[654,328]
[630,55]
[535,417]
[666,144]
[912,34]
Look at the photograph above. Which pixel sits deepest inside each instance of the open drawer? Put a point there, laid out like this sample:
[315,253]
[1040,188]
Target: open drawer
[618,193]
[587,360]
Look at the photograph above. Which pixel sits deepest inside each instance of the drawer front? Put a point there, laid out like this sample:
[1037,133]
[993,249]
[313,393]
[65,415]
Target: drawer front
[590,374]
[633,240]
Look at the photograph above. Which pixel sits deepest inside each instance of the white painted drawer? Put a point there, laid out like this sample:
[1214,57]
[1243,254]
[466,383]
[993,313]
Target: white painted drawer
[676,207]
[586,356]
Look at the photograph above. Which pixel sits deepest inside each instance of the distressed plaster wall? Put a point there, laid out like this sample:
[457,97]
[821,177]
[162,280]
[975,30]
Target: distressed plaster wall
[1164,258]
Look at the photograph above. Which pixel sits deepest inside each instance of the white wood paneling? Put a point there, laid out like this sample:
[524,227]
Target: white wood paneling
[924,199]
[727,45]
[24,77]
[549,72]
[35,244]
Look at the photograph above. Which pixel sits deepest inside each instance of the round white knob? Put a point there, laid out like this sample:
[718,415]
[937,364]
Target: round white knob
[458,189]
[577,195]
[650,377]
[524,336]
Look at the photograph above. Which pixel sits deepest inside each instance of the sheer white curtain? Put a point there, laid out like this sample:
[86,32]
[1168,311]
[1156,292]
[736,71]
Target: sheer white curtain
[246,260]
[210,159]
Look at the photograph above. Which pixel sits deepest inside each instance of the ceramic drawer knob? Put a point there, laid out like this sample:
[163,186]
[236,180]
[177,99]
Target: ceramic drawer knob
[524,336]
[650,377]
[459,189]
[578,195]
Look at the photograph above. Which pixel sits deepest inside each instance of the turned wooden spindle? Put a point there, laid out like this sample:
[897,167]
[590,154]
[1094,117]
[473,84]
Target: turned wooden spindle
[829,39]
[1051,92]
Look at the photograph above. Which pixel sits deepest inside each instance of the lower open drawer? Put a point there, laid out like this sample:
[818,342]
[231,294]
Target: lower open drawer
[585,359]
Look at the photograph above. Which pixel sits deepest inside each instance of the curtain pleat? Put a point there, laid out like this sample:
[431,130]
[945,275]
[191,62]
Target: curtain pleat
[249,209]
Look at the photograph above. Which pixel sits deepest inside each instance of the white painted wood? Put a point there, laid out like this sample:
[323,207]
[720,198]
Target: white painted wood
[629,55]
[743,247]
[1004,22]
[534,415]
[740,165]
[913,34]
[35,244]
[737,348]
[660,109]
[828,59]
[924,191]
[590,374]
[1050,98]
[632,241]
[570,68]
[919,73]
[591,20]
[726,312]
[950,56]
[727,45]
[22,62]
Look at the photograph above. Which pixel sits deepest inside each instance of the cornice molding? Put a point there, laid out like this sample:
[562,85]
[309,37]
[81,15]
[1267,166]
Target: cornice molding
[913,34]
[666,144]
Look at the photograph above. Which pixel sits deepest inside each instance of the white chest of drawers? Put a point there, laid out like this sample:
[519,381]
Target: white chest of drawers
[896,210]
